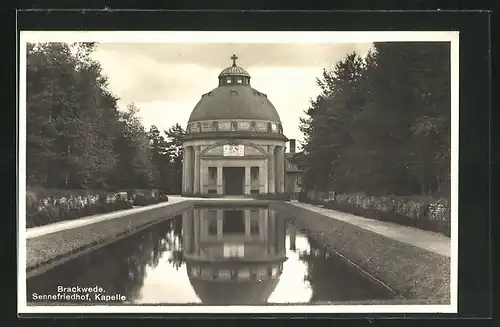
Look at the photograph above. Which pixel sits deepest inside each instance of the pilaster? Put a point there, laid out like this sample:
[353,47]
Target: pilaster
[196,170]
[270,169]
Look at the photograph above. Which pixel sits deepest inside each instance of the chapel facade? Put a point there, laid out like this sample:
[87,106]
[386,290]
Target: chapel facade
[234,142]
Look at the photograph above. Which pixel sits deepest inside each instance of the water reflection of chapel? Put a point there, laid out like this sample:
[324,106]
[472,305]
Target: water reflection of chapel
[233,255]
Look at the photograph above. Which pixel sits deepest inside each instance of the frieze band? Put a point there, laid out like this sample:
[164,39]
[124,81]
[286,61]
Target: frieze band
[234,125]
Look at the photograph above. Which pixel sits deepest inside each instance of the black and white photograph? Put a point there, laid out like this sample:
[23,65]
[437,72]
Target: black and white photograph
[238,172]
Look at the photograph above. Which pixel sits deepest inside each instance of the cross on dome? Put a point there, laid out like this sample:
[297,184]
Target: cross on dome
[234,74]
[234,58]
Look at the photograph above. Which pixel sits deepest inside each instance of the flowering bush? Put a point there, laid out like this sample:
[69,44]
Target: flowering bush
[427,213]
[440,210]
[48,206]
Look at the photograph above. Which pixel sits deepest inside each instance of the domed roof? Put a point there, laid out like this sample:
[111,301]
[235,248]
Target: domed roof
[235,292]
[234,102]
[234,99]
[234,70]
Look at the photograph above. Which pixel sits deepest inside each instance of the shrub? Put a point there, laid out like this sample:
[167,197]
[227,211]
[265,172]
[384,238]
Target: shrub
[425,213]
[54,210]
[48,206]
[145,200]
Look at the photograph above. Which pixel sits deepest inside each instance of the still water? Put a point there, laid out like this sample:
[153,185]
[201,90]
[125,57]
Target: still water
[208,255]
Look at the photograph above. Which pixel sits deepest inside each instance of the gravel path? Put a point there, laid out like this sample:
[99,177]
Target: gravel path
[74,223]
[430,241]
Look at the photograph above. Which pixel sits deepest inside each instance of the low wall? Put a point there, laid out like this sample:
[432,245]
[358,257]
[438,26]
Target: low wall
[412,272]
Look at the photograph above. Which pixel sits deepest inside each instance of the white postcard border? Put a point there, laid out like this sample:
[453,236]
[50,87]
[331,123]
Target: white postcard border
[236,37]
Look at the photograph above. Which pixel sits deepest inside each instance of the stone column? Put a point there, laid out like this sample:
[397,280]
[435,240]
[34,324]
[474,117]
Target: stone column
[262,224]
[220,185]
[248,181]
[272,230]
[197,170]
[246,215]
[205,175]
[283,169]
[292,234]
[189,170]
[281,236]
[263,177]
[187,226]
[184,171]
[203,225]
[280,188]
[196,214]
[270,169]
[220,222]
[269,232]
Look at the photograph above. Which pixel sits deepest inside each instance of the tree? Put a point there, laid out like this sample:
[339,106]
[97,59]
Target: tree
[159,158]
[174,141]
[381,124]
[409,84]
[326,128]
[134,169]
[77,137]
[167,157]
[69,143]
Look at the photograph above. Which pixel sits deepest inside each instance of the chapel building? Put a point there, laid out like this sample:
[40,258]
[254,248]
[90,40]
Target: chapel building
[234,142]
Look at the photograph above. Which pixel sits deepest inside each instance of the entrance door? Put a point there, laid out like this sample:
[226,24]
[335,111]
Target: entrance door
[234,180]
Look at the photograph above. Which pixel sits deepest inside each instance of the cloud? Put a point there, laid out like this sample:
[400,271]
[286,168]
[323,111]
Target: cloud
[250,55]
[167,80]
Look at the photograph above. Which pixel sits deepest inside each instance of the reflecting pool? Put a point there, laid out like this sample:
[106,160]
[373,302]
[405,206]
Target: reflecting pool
[211,255]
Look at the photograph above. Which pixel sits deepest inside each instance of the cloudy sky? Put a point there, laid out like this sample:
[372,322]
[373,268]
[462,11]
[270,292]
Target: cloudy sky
[166,80]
